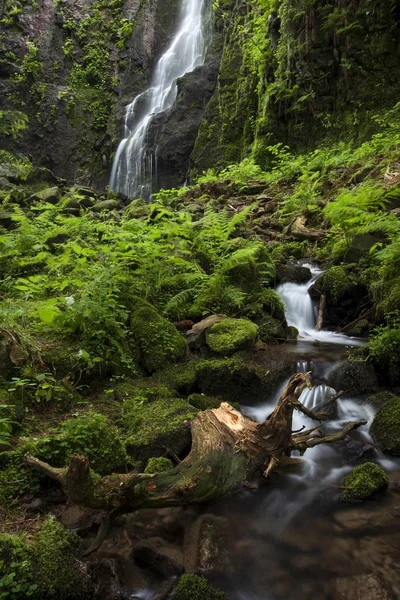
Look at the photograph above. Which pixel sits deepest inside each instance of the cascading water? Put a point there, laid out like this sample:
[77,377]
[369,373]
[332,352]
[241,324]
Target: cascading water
[300,312]
[134,165]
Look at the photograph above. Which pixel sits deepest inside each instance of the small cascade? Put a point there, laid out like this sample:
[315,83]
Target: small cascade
[134,166]
[300,312]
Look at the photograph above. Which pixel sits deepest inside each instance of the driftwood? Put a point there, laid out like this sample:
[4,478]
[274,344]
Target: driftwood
[301,232]
[227,449]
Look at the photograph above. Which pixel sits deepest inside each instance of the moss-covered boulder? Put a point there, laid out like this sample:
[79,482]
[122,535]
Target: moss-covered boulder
[385,428]
[292,273]
[231,335]
[265,304]
[158,341]
[195,587]
[354,377]
[203,402]
[272,331]
[158,465]
[364,482]
[91,435]
[158,425]
[380,398]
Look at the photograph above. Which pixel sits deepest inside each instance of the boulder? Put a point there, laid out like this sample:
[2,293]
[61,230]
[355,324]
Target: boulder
[353,451]
[159,555]
[232,335]
[370,586]
[354,378]
[205,546]
[50,195]
[77,518]
[380,398]
[155,427]
[385,428]
[293,274]
[196,336]
[106,205]
[364,481]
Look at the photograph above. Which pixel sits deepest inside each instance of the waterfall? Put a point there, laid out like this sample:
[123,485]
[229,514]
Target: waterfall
[300,313]
[134,165]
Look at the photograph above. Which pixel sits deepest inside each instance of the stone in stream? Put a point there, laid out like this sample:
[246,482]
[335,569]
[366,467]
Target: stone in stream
[205,546]
[385,428]
[293,274]
[364,481]
[354,378]
[370,586]
[159,555]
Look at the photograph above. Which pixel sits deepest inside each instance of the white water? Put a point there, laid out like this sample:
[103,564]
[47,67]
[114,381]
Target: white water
[300,312]
[134,166]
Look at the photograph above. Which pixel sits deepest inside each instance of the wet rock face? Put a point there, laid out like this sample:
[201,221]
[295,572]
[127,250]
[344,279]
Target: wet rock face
[293,274]
[371,586]
[354,378]
[172,135]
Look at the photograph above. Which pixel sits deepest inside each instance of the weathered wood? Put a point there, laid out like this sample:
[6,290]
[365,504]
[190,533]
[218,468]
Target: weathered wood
[301,232]
[227,449]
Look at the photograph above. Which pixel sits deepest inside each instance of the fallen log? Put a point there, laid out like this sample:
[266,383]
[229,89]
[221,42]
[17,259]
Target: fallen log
[301,232]
[227,449]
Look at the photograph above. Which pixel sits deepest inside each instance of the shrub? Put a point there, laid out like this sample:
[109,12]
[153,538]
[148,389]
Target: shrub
[158,465]
[90,435]
[17,574]
[195,587]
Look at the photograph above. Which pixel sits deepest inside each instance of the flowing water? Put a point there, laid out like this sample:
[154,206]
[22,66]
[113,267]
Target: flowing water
[134,165]
[292,539]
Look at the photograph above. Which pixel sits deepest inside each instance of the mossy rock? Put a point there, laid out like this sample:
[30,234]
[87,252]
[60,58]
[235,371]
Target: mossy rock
[158,465]
[365,481]
[385,428]
[145,390]
[196,587]
[231,335]
[158,425]
[203,402]
[380,398]
[158,341]
[354,377]
[267,303]
[91,435]
[272,331]
[335,284]
[181,378]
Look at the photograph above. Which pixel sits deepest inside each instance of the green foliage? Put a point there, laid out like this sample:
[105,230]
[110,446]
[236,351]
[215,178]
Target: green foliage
[385,428]
[203,402]
[365,481]
[59,575]
[195,587]
[231,335]
[17,573]
[46,568]
[158,465]
[12,123]
[335,283]
[90,435]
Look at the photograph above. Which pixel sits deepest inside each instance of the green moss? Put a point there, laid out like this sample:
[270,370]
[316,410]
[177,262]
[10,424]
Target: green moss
[90,435]
[271,330]
[265,303]
[384,351]
[385,428]
[144,390]
[158,340]
[58,573]
[231,335]
[158,465]
[195,587]
[47,568]
[335,283]
[203,402]
[365,481]
[181,378]
[156,426]
[380,398]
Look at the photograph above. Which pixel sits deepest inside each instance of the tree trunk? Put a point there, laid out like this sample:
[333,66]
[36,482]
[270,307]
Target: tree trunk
[227,449]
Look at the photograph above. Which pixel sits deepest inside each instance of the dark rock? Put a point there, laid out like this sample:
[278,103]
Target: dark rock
[51,195]
[41,174]
[55,240]
[293,274]
[105,574]
[354,378]
[359,246]
[354,451]
[205,546]
[107,205]
[77,518]
[36,506]
[371,586]
[160,556]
